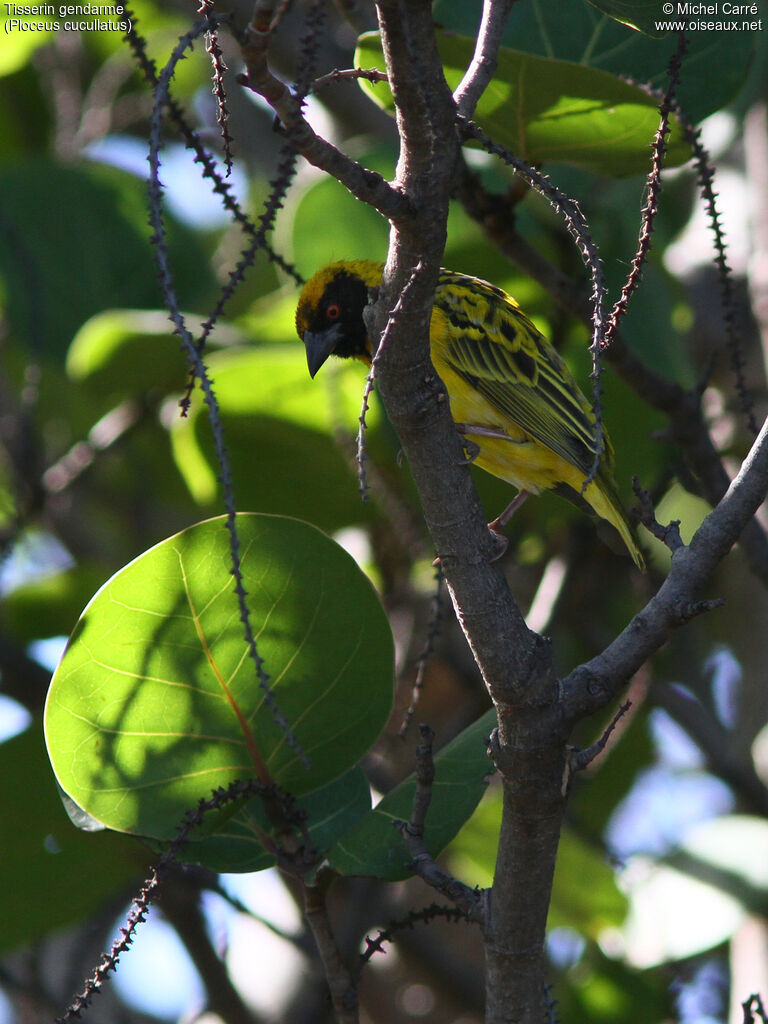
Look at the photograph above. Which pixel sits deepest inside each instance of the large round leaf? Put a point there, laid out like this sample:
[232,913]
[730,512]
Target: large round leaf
[156,701]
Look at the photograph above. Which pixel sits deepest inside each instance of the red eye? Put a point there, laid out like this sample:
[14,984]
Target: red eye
[333,312]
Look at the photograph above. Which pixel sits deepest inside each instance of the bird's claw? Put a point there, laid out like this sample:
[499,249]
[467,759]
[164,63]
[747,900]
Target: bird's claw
[501,543]
[471,449]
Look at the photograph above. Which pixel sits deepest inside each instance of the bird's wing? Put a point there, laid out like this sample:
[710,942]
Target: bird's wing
[493,346]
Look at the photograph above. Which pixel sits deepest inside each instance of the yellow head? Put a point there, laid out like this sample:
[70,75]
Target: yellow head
[329,316]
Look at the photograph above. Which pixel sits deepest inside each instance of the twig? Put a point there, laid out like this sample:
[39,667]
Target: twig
[349,75]
[200,372]
[669,535]
[412,918]
[412,832]
[221,187]
[286,170]
[433,630]
[759,1009]
[366,185]
[595,683]
[149,890]
[218,67]
[483,65]
[706,174]
[653,188]
[340,981]
[580,759]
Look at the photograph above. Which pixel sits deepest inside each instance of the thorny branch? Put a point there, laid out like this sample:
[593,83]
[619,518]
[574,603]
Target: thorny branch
[149,891]
[411,919]
[218,67]
[598,681]
[366,185]
[653,188]
[412,831]
[221,187]
[200,372]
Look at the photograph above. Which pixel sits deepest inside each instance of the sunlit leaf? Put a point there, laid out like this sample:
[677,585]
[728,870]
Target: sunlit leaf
[156,701]
[551,110]
[133,350]
[279,426]
[330,224]
[575,31]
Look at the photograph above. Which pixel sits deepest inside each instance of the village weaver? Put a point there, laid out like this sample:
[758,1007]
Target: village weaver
[512,396]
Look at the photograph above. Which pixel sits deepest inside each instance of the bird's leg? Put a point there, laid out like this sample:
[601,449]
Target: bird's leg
[501,521]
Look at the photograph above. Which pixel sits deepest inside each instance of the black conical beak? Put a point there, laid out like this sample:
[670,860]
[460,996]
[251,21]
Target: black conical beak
[320,345]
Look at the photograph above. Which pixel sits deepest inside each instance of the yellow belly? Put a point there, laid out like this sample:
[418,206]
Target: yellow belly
[521,461]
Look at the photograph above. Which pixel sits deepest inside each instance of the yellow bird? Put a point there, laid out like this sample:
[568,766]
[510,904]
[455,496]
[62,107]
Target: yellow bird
[512,396]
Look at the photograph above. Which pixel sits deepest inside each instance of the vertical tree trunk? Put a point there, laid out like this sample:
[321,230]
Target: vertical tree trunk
[533,807]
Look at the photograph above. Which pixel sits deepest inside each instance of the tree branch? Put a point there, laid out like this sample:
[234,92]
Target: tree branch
[364,184]
[469,900]
[593,684]
[483,66]
[340,981]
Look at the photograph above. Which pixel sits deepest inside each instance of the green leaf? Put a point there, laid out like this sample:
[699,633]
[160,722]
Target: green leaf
[58,874]
[329,224]
[236,844]
[551,110]
[93,218]
[156,701]
[373,846]
[714,68]
[589,909]
[132,351]
[279,427]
